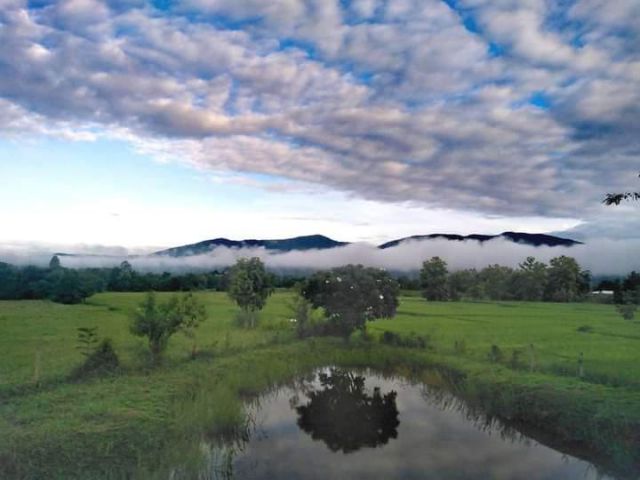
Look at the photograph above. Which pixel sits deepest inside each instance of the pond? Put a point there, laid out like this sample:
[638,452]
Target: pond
[360,425]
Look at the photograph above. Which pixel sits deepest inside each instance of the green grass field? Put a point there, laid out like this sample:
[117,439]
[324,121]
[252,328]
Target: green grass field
[48,421]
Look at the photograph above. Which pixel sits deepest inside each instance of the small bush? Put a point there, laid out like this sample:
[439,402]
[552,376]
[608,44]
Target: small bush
[101,361]
[495,354]
[308,321]
[390,338]
[516,359]
[87,340]
[627,310]
[411,341]
[585,329]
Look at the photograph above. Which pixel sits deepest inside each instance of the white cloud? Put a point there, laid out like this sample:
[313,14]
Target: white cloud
[405,103]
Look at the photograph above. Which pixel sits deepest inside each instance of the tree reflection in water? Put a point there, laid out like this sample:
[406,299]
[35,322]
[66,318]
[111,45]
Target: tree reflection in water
[345,416]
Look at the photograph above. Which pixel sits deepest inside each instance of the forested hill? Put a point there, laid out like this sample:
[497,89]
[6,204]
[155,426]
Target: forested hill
[533,239]
[309,242]
[321,242]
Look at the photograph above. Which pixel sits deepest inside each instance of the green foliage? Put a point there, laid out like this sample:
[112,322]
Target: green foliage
[516,362]
[433,279]
[497,281]
[530,280]
[627,309]
[495,354]
[246,319]
[133,416]
[413,340]
[308,320]
[352,295]
[87,340]
[464,284]
[67,286]
[54,263]
[194,313]
[159,321]
[585,329]
[564,279]
[249,284]
[101,360]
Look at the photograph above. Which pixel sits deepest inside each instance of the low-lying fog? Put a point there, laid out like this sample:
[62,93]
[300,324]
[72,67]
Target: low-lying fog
[602,257]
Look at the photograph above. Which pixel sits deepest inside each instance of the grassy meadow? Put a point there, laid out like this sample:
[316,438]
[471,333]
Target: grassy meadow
[49,421]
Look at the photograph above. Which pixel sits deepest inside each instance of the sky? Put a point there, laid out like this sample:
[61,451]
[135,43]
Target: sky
[139,125]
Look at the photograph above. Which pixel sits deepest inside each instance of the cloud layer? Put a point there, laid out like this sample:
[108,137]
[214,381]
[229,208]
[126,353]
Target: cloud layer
[602,257]
[505,107]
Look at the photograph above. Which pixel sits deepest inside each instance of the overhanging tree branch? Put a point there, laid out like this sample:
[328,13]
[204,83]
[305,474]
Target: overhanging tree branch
[618,198]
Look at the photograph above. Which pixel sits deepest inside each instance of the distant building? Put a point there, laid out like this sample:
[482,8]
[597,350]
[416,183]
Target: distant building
[602,292]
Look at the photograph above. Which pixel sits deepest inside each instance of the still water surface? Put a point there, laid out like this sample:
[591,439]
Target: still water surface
[359,425]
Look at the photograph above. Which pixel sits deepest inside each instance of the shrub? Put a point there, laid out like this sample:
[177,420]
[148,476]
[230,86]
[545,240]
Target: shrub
[308,321]
[390,338]
[158,322]
[585,329]
[103,359]
[495,354]
[411,341]
[87,340]
[627,310]
[516,359]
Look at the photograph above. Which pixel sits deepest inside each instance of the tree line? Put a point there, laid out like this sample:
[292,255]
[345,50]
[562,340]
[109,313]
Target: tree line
[562,280]
[67,285]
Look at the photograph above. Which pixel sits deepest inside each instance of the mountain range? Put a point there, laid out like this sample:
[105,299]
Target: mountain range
[320,242]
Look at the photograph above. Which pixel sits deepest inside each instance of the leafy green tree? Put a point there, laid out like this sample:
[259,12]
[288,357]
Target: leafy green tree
[351,295]
[530,280]
[54,263]
[194,314]
[627,308]
[122,278]
[66,286]
[630,288]
[565,279]
[9,285]
[496,281]
[308,320]
[464,284]
[433,279]
[250,286]
[159,321]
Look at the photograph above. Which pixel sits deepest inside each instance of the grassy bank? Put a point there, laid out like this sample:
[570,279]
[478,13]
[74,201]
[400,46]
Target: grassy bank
[143,420]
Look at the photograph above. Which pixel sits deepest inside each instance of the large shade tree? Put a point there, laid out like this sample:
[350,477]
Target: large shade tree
[433,279]
[351,295]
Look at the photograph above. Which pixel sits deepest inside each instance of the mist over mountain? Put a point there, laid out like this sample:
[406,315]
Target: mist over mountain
[308,242]
[600,256]
[532,239]
[321,242]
